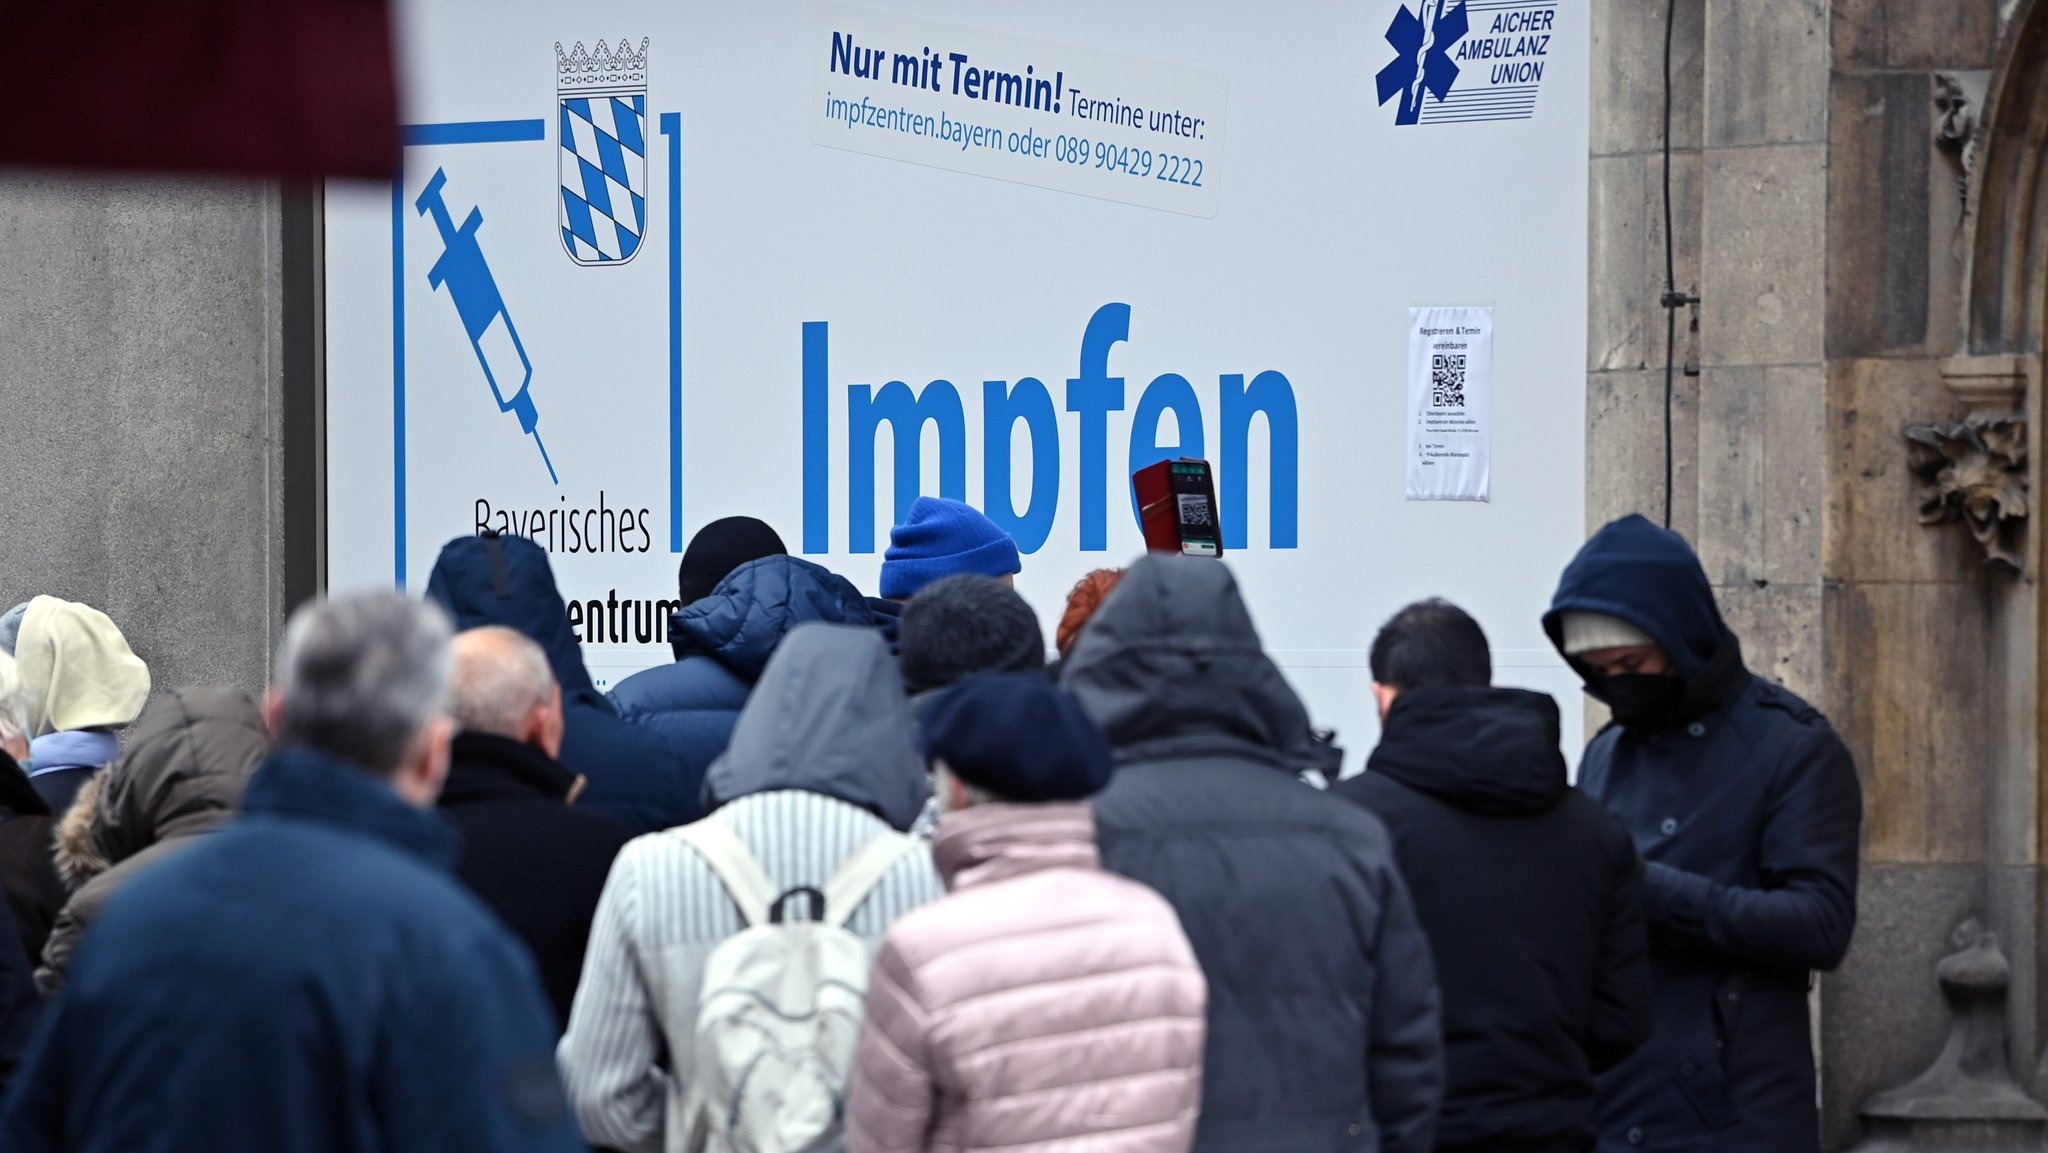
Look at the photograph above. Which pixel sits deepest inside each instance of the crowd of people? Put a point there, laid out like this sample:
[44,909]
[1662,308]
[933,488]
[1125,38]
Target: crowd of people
[872,873]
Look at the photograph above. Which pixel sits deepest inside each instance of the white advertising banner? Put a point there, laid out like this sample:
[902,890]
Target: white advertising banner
[1450,403]
[651,264]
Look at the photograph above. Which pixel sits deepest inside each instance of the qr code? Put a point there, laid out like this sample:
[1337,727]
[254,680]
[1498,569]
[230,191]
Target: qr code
[1194,511]
[1447,381]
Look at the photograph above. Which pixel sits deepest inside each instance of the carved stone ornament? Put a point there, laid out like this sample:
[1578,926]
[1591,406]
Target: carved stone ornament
[1975,470]
[1966,1099]
[1955,124]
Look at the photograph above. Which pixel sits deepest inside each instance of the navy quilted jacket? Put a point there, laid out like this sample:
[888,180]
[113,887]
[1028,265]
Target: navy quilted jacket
[726,640]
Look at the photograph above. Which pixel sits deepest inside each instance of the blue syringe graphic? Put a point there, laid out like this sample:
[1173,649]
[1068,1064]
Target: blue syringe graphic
[475,293]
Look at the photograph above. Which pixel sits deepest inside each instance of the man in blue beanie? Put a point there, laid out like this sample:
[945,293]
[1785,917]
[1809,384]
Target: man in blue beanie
[940,538]
[1745,807]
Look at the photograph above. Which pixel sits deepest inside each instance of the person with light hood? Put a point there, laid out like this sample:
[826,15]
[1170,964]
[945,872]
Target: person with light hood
[1323,1025]
[85,685]
[1745,807]
[821,766]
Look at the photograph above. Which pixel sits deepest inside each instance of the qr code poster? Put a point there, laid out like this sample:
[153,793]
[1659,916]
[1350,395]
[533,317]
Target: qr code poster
[1450,403]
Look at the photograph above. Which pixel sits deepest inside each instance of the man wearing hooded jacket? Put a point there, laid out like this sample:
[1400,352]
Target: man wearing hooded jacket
[1323,1030]
[1529,891]
[1745,807]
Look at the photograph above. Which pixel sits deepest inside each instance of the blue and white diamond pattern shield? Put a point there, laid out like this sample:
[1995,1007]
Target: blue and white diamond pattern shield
[603,168]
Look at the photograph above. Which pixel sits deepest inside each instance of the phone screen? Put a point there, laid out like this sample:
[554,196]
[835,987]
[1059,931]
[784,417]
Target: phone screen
[1195,496]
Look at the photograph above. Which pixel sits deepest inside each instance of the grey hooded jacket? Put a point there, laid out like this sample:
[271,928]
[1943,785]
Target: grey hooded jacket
[181,773]
[1323,1026]
[821,763]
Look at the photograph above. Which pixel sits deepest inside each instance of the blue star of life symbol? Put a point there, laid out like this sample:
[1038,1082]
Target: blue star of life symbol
[1422,61]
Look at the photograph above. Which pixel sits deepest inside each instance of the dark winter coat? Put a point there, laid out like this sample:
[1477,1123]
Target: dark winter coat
[180,774]
[726,639]
[631,770]
[28,873]
[18,1005]
[308,978]
[1323,1030]
[538,863]
[1747,811]
[1531,896]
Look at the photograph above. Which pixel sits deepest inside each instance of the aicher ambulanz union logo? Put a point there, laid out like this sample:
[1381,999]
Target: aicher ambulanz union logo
[1445,42]
[601,114]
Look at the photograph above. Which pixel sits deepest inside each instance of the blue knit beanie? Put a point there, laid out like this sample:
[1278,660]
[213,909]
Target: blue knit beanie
[1018,736]
[942,537]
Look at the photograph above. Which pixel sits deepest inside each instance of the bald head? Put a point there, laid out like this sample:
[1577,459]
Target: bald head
[503,686]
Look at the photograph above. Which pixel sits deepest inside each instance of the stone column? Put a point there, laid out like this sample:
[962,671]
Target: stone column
[1626,324]
[1919,643]
[1763,281]
[140,369]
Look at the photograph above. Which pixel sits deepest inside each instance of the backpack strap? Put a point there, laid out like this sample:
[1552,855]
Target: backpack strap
[861,873]
[735,864]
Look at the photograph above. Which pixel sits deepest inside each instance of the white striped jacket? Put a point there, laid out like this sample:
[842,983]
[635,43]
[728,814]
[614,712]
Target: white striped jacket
[662,913]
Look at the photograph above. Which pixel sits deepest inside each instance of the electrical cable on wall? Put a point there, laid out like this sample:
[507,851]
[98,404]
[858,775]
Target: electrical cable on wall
[1673,299]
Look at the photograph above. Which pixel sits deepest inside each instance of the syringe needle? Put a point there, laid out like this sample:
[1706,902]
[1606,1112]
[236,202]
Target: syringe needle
[544,458]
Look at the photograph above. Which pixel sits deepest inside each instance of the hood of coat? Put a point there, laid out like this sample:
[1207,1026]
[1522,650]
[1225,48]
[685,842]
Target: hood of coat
[1648,576]
[182,771]
[828,716]
[1491,751]
[506,580]
[995,842]
[1172,658]
[746,616]
[77,667]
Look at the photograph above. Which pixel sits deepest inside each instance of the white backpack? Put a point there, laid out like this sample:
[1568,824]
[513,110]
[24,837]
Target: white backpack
[781,1003]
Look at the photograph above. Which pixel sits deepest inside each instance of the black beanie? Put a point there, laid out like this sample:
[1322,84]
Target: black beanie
[717,549]
[1017,736]
[963,625]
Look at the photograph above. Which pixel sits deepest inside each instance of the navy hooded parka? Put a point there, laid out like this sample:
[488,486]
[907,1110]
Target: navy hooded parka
[631,771]
[1746,810]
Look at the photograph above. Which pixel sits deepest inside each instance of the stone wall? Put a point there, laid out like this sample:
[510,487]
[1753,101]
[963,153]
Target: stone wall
[1913,616]
[1822,226]
[140,368]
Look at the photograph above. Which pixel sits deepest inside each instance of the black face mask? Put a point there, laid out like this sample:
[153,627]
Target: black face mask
[1639,700]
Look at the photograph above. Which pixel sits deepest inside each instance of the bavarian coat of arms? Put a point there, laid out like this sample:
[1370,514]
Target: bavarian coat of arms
[601,99]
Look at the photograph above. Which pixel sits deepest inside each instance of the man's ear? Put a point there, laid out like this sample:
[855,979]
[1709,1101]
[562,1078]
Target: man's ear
[440,735]
[426,770]
[273,711]
[533,730]
[1384,696]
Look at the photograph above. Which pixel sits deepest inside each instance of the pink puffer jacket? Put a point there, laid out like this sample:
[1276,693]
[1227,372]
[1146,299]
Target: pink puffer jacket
[1044,1005]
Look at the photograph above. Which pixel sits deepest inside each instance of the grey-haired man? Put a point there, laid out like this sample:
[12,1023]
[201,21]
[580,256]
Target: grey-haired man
[310,977]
